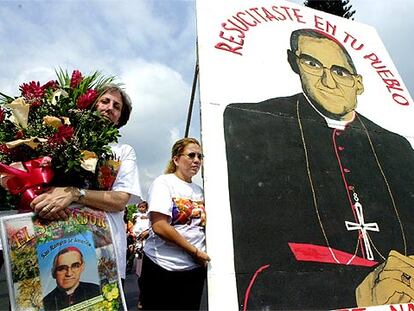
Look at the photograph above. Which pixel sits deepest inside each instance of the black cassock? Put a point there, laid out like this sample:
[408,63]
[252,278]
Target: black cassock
[293,185]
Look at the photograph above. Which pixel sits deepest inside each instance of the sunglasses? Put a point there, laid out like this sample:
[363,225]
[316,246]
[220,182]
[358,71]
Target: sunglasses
[192,155]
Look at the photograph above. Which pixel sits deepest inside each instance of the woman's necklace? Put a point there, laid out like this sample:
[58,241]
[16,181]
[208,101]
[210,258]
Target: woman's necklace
[356,204]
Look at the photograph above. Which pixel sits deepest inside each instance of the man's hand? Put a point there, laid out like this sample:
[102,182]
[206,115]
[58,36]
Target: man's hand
[390,283]
[53,204]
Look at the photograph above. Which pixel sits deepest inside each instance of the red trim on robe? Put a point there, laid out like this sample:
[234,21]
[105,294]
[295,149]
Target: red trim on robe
[317,253]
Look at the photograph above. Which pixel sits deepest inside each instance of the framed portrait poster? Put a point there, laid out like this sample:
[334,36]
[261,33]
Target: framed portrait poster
[61,265]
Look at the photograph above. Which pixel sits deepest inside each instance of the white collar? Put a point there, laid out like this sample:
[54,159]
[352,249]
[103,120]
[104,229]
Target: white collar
[335,124]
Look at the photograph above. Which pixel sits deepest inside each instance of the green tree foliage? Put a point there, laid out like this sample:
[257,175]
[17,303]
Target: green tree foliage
[131,209]
[337,7]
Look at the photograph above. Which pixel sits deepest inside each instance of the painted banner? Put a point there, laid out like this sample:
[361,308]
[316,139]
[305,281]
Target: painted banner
[307,131]
[61,265]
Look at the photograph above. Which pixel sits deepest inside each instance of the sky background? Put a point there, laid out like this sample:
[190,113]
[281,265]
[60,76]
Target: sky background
[151,46]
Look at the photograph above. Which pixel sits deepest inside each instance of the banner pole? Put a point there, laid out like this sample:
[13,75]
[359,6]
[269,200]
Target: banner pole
[190,107]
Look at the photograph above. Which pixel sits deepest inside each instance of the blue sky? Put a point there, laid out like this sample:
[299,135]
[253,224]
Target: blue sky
[151,46]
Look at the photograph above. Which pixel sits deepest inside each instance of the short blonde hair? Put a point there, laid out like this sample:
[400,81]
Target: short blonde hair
[176,150]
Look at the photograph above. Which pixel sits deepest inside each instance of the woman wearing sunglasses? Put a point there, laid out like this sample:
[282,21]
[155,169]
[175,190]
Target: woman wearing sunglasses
[174,263]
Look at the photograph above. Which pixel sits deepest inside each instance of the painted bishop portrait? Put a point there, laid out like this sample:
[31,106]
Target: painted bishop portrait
[325,194]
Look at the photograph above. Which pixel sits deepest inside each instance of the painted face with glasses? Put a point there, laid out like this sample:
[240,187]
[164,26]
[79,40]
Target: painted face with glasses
[188,162]
[327,78]
[69,267]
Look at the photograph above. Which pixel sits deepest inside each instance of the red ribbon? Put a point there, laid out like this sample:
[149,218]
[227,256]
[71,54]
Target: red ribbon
[30,182]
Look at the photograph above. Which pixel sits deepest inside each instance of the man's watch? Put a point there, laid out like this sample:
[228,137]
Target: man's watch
[82,193]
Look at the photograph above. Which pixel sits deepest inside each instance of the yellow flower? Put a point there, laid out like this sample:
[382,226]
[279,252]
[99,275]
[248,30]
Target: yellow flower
[55,121]
[20,112]
[57,95]
[52,121]
[32,142]
[89,161]
[115,292]
[108,296]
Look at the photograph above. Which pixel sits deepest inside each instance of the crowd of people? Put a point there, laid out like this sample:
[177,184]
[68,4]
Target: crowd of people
[165,239]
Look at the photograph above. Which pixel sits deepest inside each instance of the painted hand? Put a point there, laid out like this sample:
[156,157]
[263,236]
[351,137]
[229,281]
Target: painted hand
[390,283]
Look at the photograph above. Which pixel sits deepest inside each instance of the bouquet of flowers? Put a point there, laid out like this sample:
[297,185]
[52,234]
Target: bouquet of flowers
[52,135]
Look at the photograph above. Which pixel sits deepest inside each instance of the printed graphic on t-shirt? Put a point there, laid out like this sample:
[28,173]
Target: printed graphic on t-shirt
[186,211]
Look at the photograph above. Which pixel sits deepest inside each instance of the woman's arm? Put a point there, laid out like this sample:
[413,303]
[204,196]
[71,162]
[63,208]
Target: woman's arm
[162,228]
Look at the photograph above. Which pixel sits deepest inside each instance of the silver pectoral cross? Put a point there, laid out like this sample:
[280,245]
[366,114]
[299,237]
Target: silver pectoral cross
[361,225]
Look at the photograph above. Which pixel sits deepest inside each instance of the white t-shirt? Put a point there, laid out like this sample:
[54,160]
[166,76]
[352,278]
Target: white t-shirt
[184,204]
[141,224]
[127,180]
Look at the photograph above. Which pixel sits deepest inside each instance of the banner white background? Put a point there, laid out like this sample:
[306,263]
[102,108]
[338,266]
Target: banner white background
[263,72]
